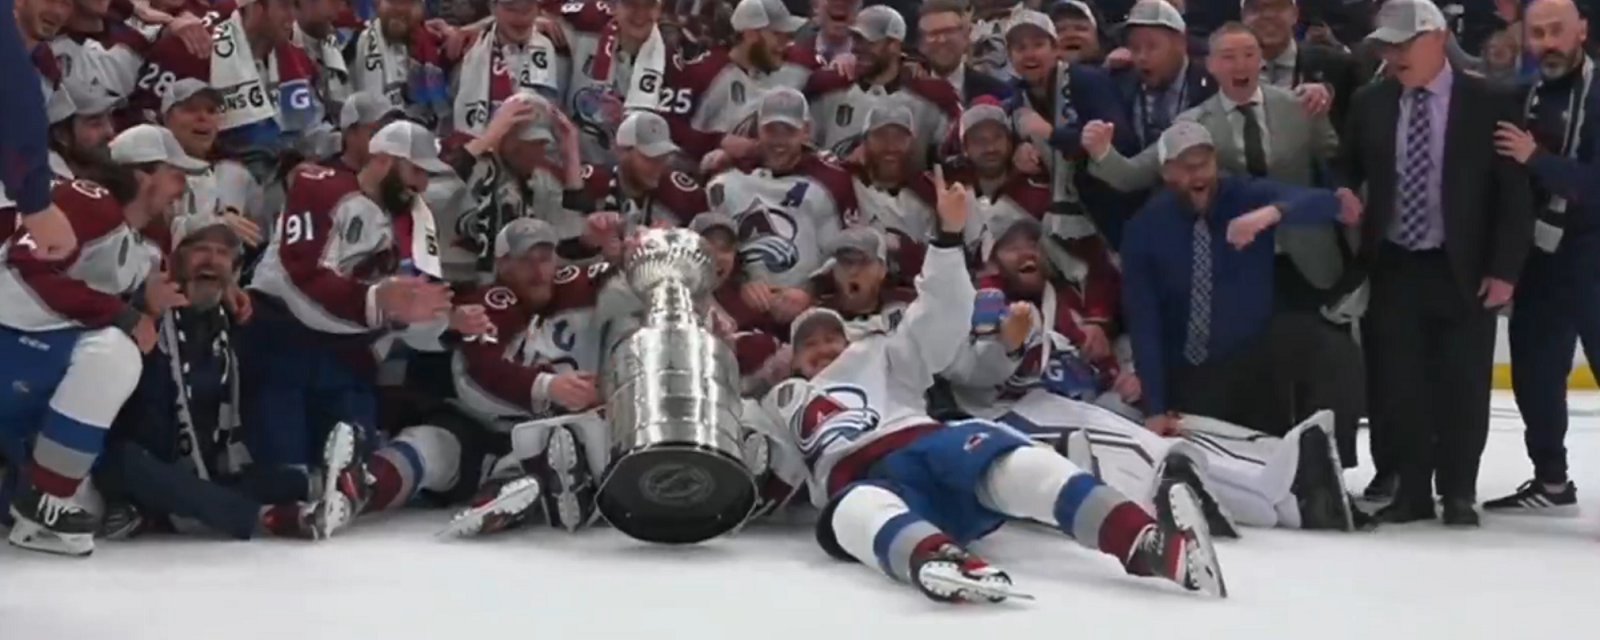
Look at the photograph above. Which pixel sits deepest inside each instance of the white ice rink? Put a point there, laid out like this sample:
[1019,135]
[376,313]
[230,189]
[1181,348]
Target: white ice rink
[388,578]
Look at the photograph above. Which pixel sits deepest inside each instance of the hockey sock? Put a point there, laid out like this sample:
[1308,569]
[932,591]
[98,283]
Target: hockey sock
[422,457]
[104,370]
[1038,484]
[64,453]
[874,526]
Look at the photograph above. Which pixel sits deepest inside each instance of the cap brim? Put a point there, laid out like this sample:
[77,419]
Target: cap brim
[1174,155]
[788,120]
[434,166]
[867,35]
[658,149]
[1028,25]
[1389,35]
[189,165]
[790,24]
[207,93]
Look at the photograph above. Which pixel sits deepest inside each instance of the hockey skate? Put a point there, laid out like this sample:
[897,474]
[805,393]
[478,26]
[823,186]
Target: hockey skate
[947,573]
[1179,467]
[1178,546]
[1318,487]
[343,485]
[51,524]
[499,505]
[570,488]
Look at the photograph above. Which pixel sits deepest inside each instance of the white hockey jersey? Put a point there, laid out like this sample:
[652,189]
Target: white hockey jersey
[603,80]
[89,287]
[786,221]
[225,187]
[870,401]
[839,109]
[708,95]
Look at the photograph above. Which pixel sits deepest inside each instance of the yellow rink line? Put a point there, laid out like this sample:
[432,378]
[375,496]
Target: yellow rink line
[1582,377]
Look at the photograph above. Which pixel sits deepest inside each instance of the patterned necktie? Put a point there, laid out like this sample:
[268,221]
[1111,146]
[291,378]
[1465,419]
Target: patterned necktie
[1255,149]
[1414,175]
[1195,347]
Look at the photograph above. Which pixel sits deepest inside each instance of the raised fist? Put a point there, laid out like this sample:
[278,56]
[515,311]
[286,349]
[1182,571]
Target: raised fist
[1097,135]
[1017,326]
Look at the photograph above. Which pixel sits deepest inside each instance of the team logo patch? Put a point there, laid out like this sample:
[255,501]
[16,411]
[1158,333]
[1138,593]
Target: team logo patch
[766,237]
[839,413]
[598,106]
[499,298]
[567,274]
[352,233]
[684,182]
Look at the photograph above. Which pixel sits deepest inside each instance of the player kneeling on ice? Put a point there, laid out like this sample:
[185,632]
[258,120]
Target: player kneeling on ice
[904,493]
[176,454]
[71,333]
[536,360]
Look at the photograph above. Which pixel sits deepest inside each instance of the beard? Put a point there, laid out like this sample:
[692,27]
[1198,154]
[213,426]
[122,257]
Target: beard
[393,194]
[396,30]
[1555,64]
[80,156]
[764,58]
[1023,284]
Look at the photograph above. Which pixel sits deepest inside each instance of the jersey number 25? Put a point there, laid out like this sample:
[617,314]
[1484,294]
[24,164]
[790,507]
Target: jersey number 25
[678,101]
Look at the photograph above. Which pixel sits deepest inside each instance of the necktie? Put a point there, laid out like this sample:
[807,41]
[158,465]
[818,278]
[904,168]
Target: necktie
[1255,152]
[1157,114]
[1199,335]
[1414,175]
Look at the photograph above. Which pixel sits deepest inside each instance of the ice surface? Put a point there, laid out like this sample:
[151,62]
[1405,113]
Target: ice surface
[388,578]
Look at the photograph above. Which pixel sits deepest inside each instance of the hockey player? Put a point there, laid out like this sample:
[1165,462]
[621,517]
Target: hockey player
[706,95]
[894,195]
[176,453]
[38,22]
[394,56]
[856,284]
[511,57]
[191,110]
[755,316]
[905,494]
[842,100]
[315,34]
[790,203]
[98,51]
[330,290]
[618,60]
[510,173]
[70,338]
[80,130]
[641,186]
[986,168]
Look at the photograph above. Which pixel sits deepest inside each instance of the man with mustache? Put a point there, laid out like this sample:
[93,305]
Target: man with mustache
[705,96]
[842,100]
[641,186]
[176,452]
[945,30]
[1557,300]
[81,129]
[333,294]
[895,197]
[1078,29]
[1290,64]
[618,57]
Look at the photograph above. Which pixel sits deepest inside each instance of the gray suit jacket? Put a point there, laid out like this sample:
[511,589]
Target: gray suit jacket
[1296,145]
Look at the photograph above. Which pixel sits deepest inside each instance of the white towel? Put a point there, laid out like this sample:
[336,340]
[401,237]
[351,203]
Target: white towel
[234,73]
[649,70]
[530,66]
[381,67]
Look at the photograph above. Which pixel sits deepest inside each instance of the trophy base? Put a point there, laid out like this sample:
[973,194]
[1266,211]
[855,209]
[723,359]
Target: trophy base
[680,494]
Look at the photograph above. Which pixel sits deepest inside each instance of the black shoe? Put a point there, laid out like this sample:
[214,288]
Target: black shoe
[1534,498]
[1382,488]
[1403,511]
[122,521]
[1179,468]
[50,524]
[1459,513]
[1319,485]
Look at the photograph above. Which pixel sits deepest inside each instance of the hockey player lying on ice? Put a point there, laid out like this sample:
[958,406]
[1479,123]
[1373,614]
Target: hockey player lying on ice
[904,494]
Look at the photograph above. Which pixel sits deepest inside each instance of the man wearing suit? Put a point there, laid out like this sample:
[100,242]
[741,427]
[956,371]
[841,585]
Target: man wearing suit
[1447,229]
[1291,65]
[1264,132]
[1161,83]
[946,35]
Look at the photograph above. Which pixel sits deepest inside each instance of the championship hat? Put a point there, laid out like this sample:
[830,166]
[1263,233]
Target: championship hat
[367,108]
[1073,9]
[868,241]
[890,114]
[646,132]
[877,23]
[1156,13]
[195,226]
[523,234]
[1399,21]
[186,89]
[409,141]
[1180,137]
[1003,225]
[146,143]
[750,15]
[784,105]
[813,320]
[981,114]
[1030,19]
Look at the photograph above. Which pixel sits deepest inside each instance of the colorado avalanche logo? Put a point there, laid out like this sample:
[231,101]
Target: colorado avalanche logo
[838,414]
[766,237]
[599,110]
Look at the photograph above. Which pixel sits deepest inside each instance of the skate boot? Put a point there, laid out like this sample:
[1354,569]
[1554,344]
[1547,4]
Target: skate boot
[1536,498]
[122,521]
[1179,467]
[570,488]
[947,573]
[500,505]
[50,524]
[343,487]
[1319,485]
[294,520]
[1178,546]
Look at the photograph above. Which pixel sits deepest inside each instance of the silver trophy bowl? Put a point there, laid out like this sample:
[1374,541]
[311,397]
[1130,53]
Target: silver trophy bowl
[673,403]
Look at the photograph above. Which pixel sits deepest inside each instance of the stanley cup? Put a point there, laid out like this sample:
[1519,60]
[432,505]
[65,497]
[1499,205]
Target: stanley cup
[673,402]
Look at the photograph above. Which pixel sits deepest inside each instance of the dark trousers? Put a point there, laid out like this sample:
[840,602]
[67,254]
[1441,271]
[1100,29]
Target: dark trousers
[1380,429]
[1433,348]
[1558,302]
[1299,366]
[232,507]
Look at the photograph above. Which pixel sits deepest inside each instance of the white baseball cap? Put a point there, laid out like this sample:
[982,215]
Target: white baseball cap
[1180,137]
[878,22]
[1028,18]
[890,114]
[1401,20]
[410,141]
[146,143]
[648,133]
[1156,13]
[184,90]
[784,105]
[521,235]
[367,107]
[750,15]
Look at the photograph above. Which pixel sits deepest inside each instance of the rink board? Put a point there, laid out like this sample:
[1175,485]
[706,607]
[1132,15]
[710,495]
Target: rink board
[390,579]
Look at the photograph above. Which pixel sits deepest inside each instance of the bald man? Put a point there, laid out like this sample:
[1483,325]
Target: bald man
[1558,298]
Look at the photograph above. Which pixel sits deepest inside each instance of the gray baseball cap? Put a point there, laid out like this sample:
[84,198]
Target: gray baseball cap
[87,101]
[814,319]
[646,132]
[367,108]
[866,240]
[1156,13]
[890,114]
[409,141]
[785,105]
[188,227]
[537,129]
[1030,19]
[750,15]
[148,143]
[705,222]
[983,113]
[184,90]
[1002,225]
[1073,9]
[1180,137]
[1399,21]
[521,236]
[877,23]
